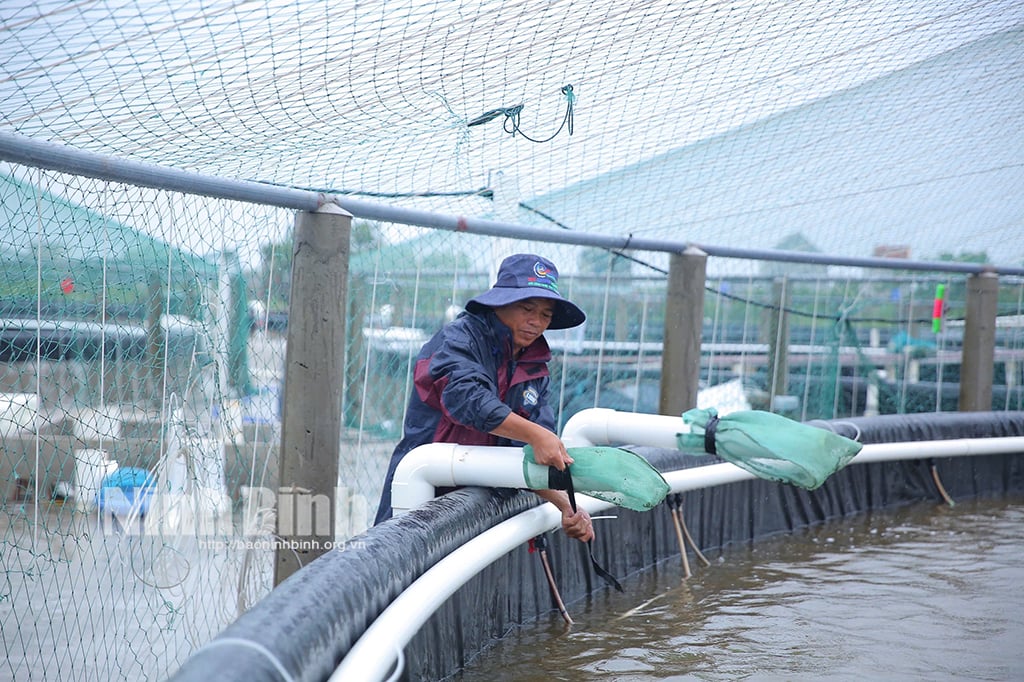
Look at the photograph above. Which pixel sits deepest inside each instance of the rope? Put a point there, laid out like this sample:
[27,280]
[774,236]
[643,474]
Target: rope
[511,114]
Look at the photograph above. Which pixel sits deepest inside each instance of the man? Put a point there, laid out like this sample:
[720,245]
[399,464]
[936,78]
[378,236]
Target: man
[483,378]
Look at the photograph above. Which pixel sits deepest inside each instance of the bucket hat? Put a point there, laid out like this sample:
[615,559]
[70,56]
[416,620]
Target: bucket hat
[525,275]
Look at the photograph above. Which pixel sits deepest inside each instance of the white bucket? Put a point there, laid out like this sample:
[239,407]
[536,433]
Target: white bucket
[91,467]
[726,397]
[94,424]
[172,470]
[231,422]
[191,497]
[208,460]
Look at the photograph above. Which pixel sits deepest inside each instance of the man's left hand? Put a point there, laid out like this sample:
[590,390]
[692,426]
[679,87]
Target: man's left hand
[578,525]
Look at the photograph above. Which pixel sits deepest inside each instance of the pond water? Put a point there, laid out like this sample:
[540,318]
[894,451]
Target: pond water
[923,592]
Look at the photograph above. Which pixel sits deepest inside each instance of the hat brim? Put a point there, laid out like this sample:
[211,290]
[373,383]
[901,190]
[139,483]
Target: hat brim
[565,315]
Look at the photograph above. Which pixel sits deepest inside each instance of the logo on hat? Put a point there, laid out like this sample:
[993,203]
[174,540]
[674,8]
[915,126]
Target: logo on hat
[544,277]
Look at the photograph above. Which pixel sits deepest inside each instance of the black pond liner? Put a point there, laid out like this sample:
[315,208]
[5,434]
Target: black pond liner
[309,622]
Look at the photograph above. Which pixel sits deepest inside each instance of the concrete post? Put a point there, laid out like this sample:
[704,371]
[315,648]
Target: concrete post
[684,318]
[314,371]
[976,368]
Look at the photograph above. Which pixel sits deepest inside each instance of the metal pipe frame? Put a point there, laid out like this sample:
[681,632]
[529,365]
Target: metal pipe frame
[27,151]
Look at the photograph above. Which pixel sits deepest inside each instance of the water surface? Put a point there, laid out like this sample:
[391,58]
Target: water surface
[924,592]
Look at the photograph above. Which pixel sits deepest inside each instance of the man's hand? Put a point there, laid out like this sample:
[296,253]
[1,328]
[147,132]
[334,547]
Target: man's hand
[548,448]
[578,525]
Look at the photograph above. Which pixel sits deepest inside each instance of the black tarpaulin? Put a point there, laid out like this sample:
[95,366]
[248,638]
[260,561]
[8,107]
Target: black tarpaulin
[311,620]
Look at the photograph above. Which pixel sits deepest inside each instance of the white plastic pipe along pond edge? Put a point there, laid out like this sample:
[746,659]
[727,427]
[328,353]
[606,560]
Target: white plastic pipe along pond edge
[603,426]
[438,465]
[375,653]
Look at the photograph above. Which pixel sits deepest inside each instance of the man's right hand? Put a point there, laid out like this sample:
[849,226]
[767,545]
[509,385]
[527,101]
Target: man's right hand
[548,449]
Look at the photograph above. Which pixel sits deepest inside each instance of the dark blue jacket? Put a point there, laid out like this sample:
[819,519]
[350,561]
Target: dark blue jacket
[466,384]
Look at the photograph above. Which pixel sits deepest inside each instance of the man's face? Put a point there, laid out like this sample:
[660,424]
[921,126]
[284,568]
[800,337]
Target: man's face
[527,319]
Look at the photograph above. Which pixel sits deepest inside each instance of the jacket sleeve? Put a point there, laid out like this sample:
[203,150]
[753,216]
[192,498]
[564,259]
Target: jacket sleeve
[469,390]
[544,414]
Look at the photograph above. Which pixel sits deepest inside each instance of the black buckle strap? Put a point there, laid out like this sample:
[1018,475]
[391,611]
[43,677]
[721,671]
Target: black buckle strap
[605,575]
[560,480]
[709,435]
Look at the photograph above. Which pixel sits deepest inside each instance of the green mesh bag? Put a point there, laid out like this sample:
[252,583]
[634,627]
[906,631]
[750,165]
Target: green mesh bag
[768,445]
[614,475]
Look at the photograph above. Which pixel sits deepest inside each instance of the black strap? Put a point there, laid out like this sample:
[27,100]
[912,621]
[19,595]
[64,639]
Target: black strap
[608,577]
[709,435]
[569,489]
[605,575]
[560,480]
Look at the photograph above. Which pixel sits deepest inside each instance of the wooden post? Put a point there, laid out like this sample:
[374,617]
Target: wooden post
[684,322]
[356,370]
[976,368]
[778,343]
[314,371]
[622,319]
[156,340]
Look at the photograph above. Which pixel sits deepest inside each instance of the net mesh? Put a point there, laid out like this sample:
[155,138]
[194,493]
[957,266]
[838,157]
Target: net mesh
[145,328]
[833,121]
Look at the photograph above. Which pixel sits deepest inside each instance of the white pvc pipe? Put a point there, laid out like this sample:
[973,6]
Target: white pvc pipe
[438,465]
[707,476]
[603,426]
[719,474]
[375,653]
[956,447]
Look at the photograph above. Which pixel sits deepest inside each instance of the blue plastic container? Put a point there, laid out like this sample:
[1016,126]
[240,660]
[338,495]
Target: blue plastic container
[126,489]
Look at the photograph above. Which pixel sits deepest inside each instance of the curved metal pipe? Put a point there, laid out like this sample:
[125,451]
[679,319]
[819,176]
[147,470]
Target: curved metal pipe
[27,151]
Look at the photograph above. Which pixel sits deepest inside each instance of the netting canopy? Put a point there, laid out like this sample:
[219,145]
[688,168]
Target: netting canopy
[851,124]
[143,320]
